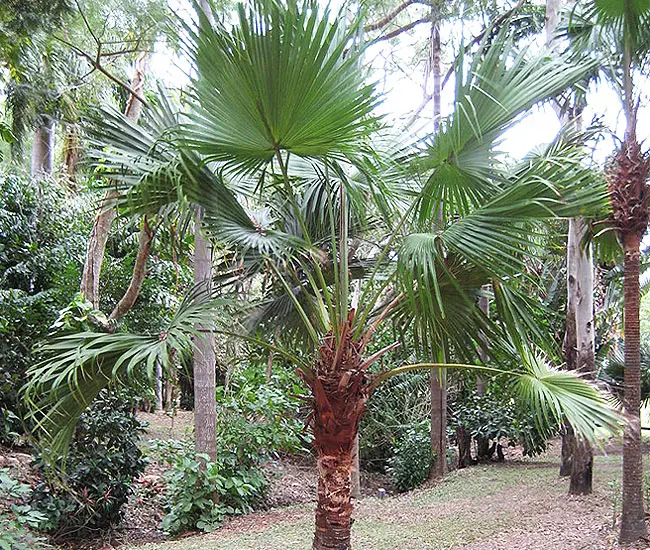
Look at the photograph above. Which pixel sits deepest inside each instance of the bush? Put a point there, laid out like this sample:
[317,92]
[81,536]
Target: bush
[411,462]
[200,494]
[16,516]
[102,464]
[495,416]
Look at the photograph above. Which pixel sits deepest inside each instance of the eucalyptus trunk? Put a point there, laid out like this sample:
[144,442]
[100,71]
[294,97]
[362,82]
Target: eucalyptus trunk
[580,291]
[43,148]
[437,382]
[103,222]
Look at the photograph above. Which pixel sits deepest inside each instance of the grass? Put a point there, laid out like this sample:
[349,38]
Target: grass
[471,506]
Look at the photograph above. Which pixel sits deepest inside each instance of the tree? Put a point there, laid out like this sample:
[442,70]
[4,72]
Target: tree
[619,30]
[277,100]
[579,354]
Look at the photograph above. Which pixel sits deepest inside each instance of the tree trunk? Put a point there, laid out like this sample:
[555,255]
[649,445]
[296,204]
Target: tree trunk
[205,375]
[582,465]
[356,470]
[139,272]
[437,381]
[580,291]
[568,443]
[482,443]
[633,518]
[464,440]
[438,423]
[101,228]
[340,394]
[71,152]
[43,148]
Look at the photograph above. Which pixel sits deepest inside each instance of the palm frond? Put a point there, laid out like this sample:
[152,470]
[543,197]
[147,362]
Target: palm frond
[78,366]
[280,80]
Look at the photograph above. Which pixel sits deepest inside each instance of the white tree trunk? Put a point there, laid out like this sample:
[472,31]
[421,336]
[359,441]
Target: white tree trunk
[42,149]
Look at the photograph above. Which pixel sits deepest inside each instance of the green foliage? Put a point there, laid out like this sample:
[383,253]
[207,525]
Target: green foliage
[99,471]
[412,460]
[257,419]
[17,517]
[496,415]
[42,237]
[200,494]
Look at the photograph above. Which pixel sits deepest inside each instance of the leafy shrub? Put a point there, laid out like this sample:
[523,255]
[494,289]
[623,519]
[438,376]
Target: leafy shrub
[16,516]
[395,407]
[496,416]
[412,459]
[102,464]
[200,494]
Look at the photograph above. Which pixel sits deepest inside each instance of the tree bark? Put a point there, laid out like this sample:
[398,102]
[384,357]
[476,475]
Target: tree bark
[464,440]
[438,423]
[71,152]
[356,470]
[42,148]
[340,394]
[580,288]
[101,228]
[482,443]
[205,371]
[139,272]
[437,382]
[633,524]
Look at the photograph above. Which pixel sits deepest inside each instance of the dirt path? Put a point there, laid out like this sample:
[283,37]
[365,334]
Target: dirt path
[521,506]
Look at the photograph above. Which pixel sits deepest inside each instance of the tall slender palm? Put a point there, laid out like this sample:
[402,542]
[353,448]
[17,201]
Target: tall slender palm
[619,30]
[279,99]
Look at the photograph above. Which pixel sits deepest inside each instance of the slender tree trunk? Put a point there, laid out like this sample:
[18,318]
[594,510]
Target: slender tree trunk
[633,524]
[159,386]
[482,443]
[99,236]
[580,286]
[437,383]
[464,440]
[139,272]
[43,148]
[205,369]
[438,390]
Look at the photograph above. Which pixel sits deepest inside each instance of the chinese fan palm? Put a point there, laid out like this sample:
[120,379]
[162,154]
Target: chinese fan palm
[280,98]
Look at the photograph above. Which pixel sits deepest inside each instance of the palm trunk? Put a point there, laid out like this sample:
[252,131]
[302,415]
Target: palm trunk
[340,393]
[633,518]
[71,152]
[42,149]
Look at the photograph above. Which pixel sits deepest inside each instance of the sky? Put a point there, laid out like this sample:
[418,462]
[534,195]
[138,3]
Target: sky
[402,91]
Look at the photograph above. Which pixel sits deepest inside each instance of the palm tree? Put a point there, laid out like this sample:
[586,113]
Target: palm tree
[279,105]
[619,29]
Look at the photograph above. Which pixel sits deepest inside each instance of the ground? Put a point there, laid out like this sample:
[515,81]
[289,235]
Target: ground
[519,505]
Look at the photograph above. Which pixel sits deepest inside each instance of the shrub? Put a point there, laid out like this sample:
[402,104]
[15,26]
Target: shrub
[16,516]
[412,459]
[200,494]
[102,464]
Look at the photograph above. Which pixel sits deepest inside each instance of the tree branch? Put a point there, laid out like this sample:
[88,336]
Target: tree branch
[392,15]
[97,65]
[400,30]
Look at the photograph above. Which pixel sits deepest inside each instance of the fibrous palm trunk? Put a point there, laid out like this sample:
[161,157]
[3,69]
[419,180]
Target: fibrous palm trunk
[340,393]
[627,176]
